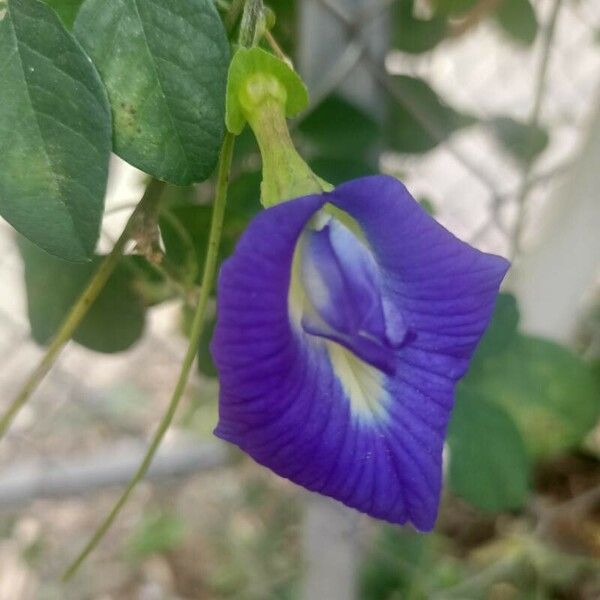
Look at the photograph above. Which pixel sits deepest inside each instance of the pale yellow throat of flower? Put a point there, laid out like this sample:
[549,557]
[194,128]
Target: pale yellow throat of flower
[362,383]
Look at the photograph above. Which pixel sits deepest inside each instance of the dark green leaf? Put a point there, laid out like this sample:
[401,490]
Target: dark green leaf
[54,132]
[115,320]
[489,466]
[453,8]
[427,204]
[185,229]
[338,170]
[518,20]
[66,10]
[501,331]
[522,141]
[415,35]
[285,30]
[389,570]
[164,65]
[337,128]
[549,391]
[419,118]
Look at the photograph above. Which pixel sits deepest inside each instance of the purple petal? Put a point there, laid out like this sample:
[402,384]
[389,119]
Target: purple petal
[320,414]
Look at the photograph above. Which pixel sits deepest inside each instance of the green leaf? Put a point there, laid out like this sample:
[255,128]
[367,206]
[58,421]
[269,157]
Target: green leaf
[337,128]
[115,320]
[189,233]
[164,65]
[66,10]
[517,18]
[54,132]
[520,140]
[549,391]
[453,8]
[338,170]
[501,331]
[415,35]
[416,133]
[489,466]
[391,567]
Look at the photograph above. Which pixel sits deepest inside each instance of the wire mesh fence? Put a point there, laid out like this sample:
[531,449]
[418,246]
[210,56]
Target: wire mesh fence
[476,185]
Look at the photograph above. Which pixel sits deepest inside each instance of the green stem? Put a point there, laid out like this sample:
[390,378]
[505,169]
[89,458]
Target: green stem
[250,27]
[210,267]
[78,311]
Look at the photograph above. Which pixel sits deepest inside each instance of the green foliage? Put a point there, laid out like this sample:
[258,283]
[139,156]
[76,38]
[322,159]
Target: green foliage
[517,18]
[206,366]
[520,140]
[185,230]
[66,10]
[55,131]
[115,320]
[489,466]
[524,398]
[165,67]
[420,120]
[454,8]
[338,170]
[405,551]
[414,35]
[157,533]
[338,129]
[501,331]
[406,564]
[549,391]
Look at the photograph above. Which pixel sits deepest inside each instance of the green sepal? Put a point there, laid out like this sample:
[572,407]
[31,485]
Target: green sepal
[255,75]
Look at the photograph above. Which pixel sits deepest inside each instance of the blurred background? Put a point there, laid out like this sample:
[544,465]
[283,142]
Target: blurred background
[489,111]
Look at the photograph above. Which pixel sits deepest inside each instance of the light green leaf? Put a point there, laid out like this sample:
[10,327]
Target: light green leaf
[246,64]
[522,141]
[54,133]
[115,320]
[517,18]
[549,391]
[164,65]
[489,466]
[416,133]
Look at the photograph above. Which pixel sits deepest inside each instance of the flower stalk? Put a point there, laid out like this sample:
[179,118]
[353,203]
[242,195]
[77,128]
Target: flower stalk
[210,267]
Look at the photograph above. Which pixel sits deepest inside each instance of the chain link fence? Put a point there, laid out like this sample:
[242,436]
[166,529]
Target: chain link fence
[90,403]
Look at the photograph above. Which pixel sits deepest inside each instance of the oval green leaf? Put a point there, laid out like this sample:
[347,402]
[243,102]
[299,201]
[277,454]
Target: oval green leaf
[54,133]
[550,392]
[114,322]
[164,65]
[489,466]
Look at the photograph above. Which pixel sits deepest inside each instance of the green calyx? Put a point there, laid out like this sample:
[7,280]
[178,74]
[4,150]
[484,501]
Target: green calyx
[262,91]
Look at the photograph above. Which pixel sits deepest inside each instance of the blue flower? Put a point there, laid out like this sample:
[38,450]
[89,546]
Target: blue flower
[345,320]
